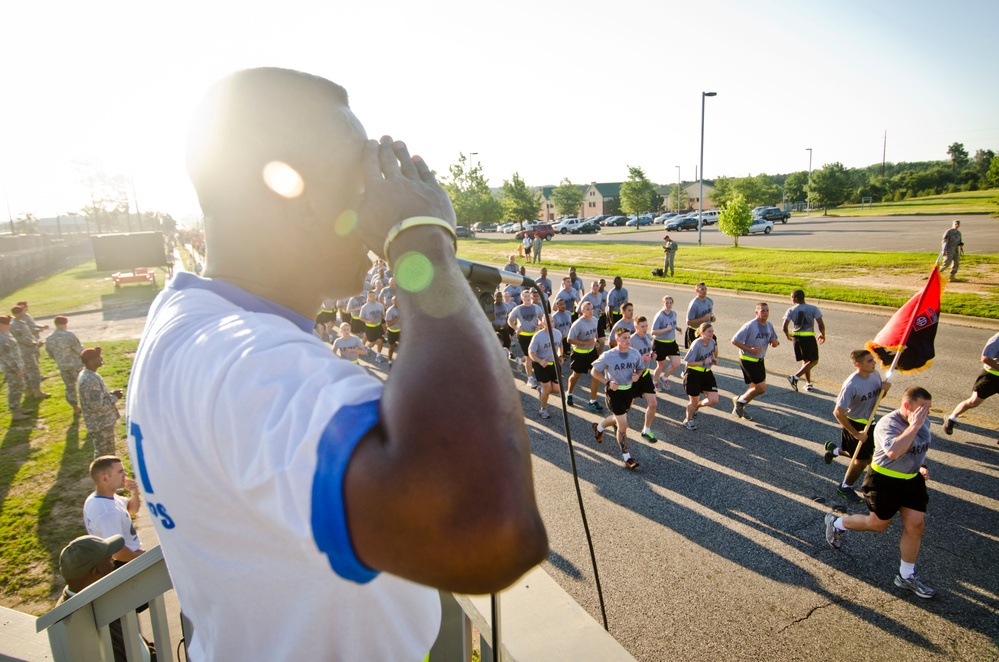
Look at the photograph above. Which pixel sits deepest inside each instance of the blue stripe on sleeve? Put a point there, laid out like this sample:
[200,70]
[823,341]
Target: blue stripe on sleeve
[329,516]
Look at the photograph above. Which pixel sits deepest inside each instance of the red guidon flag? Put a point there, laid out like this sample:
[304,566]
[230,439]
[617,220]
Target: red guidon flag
[911,330]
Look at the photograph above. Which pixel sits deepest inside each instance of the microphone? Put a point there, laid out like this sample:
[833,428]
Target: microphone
[485,275]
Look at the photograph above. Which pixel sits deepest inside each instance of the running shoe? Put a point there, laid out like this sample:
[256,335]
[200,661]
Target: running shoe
[649,437]
[568,399]
[632,464]
[597,434]
[532,382]
[950,425]
[850,495]
[738,408]
[594,406]
[544,413]
[914,585]
[600,407]
[828,457]
[663,385]
[809,387]
[690,425]
[833,535]
[520,364]
[794,381]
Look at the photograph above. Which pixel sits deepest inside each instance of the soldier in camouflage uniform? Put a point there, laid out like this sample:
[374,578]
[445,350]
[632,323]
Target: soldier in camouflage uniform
[35,327]
[100,411]
[64,348]
[24,334]
[12,366]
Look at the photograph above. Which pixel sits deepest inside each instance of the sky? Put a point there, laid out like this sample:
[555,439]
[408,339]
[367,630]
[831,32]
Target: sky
[551,89]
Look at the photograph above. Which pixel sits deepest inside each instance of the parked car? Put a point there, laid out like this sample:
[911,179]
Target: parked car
[485,227]
[566,224]
[660,220]
[645,219]
[772,214]
[599,218]
[507,228]
[614,221]
[586,227]
[710,216]
[682,223]
[760,225]
[543,230]
[464,231]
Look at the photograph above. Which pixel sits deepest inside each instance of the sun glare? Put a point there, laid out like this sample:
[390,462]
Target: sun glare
[283,179]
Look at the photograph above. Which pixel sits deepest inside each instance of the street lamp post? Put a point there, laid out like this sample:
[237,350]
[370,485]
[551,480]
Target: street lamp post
[700,188]
[678,190]
[808,204]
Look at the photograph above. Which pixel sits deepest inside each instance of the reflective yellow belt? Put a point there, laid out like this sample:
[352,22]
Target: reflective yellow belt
[749,358]
[622,387]
[863,421]
[991,371]
[893,474]
[698,368]
[804,333]
[577,350]
[527,333]
[372,326]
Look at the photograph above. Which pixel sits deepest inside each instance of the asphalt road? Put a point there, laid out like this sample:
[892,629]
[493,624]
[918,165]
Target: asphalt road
[714,548]
[891,233]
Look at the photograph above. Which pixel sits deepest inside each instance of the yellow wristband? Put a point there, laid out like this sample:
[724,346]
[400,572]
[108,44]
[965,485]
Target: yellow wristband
[414,222]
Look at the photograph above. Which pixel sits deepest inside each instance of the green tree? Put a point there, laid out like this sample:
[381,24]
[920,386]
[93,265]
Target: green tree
[982,161]
[735,219]
[796,186]
[638,194]
[992,176]
[471,198]
[958,155]
[830,186]
[757,191]
[567,198]
[724,191]
[520,203]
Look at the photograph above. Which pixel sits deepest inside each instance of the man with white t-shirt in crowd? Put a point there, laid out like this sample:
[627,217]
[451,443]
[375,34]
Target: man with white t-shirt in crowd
[801,319]
[753,340]
[283,478]
[700,310]
[619,368]
[568,294]
[583,340]
[107,513]
[524,321]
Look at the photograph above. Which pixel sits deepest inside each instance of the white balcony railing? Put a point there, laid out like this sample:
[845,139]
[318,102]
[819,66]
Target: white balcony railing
[540,621]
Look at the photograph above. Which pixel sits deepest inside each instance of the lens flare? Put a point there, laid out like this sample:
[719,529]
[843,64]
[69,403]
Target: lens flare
[414,272]
[283,179]
[345,222]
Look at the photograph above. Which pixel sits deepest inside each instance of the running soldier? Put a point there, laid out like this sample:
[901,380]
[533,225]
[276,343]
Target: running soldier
[562,322]
[583,339]
[626,321]
[896,483]
[753,340]
[568,294]
[615,298]
[12,366]
[392,328]
[348,346]
[985,386]
[546,364]
[354,305]
[952,248]
[511,266]
[100,411]
[596,299]
[854,410]
[618,368]
[544,283]
[524,320]
[27,340]
[802,318]
[645,386]
[373,314]
[388,293]
[502,305]
[576,282]
[698,379]
[667,349]
[699,310]
[64,348]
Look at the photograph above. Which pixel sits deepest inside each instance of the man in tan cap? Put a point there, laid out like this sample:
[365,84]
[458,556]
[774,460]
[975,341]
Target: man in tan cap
[86,560]
[100,410]
[12,366]
[64,348]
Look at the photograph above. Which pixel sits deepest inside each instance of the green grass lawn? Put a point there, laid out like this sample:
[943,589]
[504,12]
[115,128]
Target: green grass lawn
[82,288]
[967,202]
[884,279]
[44,481]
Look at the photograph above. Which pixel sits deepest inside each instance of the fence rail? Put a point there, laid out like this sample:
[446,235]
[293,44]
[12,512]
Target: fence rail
[27,258]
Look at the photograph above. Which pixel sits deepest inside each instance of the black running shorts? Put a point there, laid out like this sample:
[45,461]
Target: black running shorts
[806,348]
[986,385]
[885,495]
[581,362]
[665,349]
[619,402]
[753,372]
[643,385]
[849,443]
[546,374]
[373,333]
[696,382]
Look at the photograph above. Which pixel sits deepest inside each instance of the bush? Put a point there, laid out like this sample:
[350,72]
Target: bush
[971,185]
[951,188]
